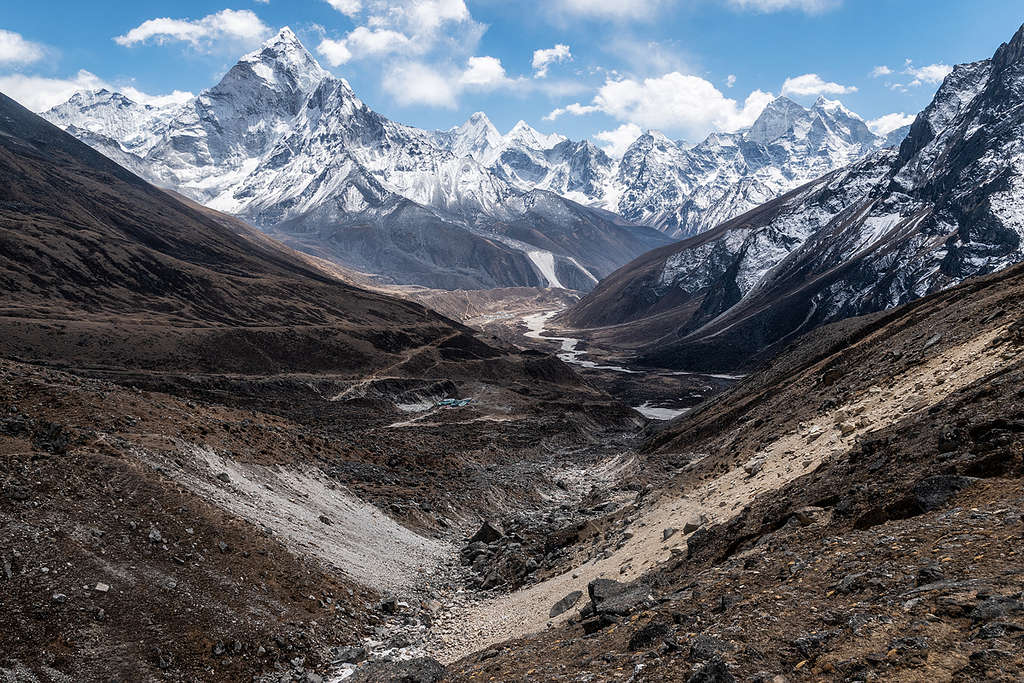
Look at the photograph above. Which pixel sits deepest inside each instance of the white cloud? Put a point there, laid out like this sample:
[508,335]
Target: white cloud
[576,109]
[365,42]
[617,141]
[403,28]
[932,73]
[415,83]
[884,125]
[730,81]
[813,84]
[175,97]
[14,49]
[236,26]
[336,52]
[674,102]
[484,73]
[543,59]
[39,93]
[610,9]
[349,8]
[808,6]
[646,9]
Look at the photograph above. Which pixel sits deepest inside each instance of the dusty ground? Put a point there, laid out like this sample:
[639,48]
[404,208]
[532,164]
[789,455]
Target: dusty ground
[862,521]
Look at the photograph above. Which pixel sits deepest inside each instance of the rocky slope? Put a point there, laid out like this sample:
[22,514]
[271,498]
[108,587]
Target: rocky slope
[216,459]
[896,226]
[284,145]
[851,512]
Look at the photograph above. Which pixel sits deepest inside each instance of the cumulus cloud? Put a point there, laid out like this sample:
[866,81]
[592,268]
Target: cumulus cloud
[646,9]
[349,8]
[543,59]
[813,84]
[808,6]
[730,81]
[675,102]
[932,74]
[610,9]
[39,93]
[336,52]
[365,42]
[236,26]
[484,73]
[402,28]
[884,125]
[616,142]
[416,83]
[15,50]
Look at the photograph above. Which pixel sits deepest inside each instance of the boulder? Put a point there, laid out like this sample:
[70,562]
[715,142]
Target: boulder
[932,493]
[619,599]
[422,670]
[488,533]
[565,604]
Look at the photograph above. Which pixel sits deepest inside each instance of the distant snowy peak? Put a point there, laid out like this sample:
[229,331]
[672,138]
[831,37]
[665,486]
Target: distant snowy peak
[279,136]
[112,115]
[687,189]
[476,138]
[522,135]
[781,117]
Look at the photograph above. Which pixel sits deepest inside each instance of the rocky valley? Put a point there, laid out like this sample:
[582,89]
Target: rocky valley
[291,392]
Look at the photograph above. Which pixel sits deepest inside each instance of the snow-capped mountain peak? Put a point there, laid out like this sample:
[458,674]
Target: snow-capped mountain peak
[780,117]
[281,64]
[523,135]
[476,138]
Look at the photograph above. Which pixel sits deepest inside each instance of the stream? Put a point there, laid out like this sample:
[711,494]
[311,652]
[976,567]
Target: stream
[570,353]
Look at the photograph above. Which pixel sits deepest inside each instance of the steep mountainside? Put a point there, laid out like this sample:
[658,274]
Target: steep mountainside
[946,206]
[100,268]
[852,512]
[215,458]
[283,144]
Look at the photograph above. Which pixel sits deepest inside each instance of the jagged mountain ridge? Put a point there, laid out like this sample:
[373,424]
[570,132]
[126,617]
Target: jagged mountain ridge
[679,188]
[901,224]
[283,144]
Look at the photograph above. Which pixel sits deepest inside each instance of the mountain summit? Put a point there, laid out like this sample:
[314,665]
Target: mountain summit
[283,144]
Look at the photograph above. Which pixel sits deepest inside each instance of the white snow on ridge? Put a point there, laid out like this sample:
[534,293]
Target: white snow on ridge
[545,262]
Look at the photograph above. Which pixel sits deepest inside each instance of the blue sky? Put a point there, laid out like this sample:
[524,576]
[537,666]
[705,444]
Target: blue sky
[583,68]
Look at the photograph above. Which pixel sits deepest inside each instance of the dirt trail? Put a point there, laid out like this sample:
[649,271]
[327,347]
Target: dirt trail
[476,625]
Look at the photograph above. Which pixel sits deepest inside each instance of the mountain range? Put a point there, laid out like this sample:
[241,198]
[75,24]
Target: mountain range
[281,143]
[903,223]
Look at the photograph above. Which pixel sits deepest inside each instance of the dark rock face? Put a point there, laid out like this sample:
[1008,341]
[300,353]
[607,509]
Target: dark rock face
[648,636]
